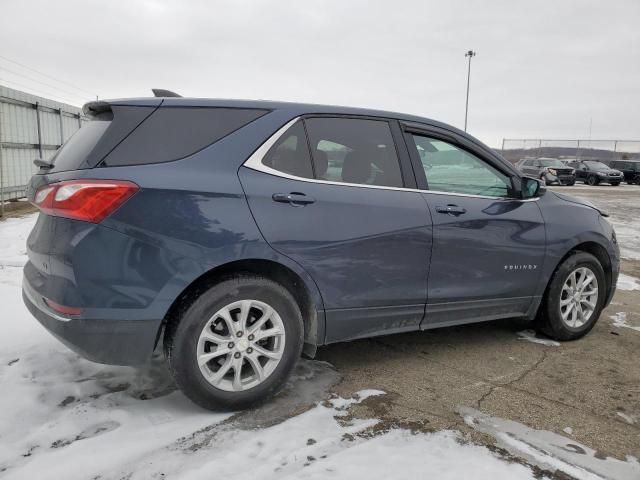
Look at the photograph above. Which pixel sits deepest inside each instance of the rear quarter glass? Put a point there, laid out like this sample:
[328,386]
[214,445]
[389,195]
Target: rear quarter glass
[172,133]
[133,135]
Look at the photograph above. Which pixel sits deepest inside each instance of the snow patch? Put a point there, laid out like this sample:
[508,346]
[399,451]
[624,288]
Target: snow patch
[531,336]
[627,282]
[620,321]
[551,451]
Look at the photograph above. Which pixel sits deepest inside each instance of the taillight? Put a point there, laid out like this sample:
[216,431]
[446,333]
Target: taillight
[87,200]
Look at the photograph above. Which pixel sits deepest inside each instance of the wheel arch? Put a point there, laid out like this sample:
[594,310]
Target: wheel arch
[303,290]
[589,246]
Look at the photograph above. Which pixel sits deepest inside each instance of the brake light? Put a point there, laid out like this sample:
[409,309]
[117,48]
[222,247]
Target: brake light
[86,200]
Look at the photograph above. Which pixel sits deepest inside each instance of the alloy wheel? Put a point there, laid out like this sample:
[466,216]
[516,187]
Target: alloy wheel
[579,297]
[241,345]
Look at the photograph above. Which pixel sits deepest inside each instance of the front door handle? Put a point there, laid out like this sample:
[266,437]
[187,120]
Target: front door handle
[451,209]
[294,198]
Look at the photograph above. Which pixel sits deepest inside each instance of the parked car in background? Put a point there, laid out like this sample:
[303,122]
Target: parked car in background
[629,168]
[593,172]
[238,234]
[550,170]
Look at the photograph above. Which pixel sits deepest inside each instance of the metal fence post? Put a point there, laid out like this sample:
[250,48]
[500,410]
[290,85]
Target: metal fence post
[39,128]
[1,168]
[61,126]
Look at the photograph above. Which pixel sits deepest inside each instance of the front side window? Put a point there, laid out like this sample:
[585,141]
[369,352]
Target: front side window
[354,151]
[290,154]
[449,168]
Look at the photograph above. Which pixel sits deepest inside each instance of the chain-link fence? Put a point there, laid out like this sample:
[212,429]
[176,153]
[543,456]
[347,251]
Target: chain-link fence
[601,150]
[30,127]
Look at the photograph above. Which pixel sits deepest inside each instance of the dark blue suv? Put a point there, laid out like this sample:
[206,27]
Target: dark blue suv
[237,235]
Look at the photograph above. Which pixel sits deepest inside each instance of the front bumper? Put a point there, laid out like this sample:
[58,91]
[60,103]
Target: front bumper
[611,178]
[113,342]
[561,179]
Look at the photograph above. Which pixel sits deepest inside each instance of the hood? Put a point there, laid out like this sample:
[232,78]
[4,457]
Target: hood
[580,201]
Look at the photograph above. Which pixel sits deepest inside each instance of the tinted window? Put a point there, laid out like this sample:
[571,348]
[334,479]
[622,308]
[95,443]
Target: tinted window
[74,152]
[354,151]
[171,133]
[291,153]
[452,169]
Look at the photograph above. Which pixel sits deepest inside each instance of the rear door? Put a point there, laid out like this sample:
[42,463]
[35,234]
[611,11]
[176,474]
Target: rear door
[488,247]
[336,201]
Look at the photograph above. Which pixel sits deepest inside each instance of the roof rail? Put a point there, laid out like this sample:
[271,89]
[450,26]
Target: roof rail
[160,92]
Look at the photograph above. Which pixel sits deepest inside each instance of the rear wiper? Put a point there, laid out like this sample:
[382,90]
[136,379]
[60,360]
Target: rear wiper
[43,164]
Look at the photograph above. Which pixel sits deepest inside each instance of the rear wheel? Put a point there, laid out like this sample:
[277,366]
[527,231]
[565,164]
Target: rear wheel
[574,299]
[236,345]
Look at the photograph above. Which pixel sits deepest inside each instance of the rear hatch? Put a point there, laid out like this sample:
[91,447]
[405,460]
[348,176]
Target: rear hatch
[108,125]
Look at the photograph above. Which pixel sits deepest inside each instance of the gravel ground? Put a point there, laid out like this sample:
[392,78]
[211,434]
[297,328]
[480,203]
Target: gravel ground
[587,390]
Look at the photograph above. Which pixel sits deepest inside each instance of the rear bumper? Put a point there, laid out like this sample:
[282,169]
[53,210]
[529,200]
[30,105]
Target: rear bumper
[113,342]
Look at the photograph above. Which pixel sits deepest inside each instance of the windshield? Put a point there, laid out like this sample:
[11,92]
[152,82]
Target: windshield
[596,165]
[551,162]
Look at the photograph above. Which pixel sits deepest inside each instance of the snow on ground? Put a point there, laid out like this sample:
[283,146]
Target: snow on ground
[627,282]
[64,417]
[532,336]
[620,321]
[551,451]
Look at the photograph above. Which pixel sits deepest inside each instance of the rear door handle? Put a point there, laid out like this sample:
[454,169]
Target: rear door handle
[451,209]
[294,198]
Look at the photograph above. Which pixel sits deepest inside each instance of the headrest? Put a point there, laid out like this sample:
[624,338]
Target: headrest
[356,167]
[321,163]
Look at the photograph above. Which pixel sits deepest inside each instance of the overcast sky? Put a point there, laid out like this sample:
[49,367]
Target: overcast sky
[543,68]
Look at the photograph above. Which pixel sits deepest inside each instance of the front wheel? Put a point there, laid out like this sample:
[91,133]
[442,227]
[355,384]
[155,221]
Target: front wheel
[592,180]
[574,299]
[236,345]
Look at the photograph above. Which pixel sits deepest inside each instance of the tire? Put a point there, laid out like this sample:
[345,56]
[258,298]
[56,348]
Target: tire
[571,184]
[550,319]
[592,180]
[185,343]
[615,184]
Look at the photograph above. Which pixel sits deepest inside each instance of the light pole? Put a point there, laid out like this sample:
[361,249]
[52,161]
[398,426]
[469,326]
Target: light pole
[469,54]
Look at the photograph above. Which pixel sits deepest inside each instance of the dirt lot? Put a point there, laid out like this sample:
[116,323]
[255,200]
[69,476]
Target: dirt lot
[588,390]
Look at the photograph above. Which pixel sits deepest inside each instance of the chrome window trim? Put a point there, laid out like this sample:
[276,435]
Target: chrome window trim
[254,162]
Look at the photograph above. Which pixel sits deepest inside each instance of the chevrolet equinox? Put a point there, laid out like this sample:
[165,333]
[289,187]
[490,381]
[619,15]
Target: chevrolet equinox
[237,235]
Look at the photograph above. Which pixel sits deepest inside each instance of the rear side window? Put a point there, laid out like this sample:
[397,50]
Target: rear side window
[354,151]
[290,154]
[74,152]
[172,133]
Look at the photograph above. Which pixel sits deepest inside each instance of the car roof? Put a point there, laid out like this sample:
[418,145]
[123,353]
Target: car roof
[294,107]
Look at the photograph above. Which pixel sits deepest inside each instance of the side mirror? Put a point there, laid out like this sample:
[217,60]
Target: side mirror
[532,187]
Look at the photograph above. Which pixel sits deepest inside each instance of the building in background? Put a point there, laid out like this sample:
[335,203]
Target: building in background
[30,127]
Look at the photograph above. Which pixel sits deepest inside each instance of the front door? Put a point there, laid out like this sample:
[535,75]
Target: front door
[488,247]
[344,215]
